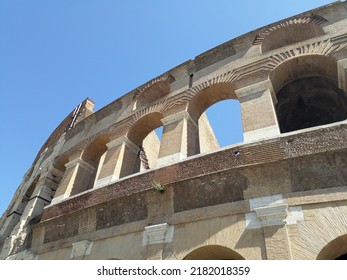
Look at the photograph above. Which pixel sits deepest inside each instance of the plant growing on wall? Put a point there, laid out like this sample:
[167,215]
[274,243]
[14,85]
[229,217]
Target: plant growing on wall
[158,186]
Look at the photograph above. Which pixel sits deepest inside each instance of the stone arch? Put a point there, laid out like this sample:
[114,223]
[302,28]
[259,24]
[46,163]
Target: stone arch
[142,134]
[93,155]
[209,96]
[307,92]
[95,149]
[202,101]
[143,126]
[335,249]
[60,162]
[289,32]
[213,252]
[154,92]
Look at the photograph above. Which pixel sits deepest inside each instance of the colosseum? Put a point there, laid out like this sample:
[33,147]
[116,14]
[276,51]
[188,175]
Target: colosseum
[105,186]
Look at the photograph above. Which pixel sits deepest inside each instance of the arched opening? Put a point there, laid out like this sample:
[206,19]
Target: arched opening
[307,93]
[94,156]
[152,93]
[60,169]
[335,250]
[218,113]
[144,134]
[213,252]
[290,34]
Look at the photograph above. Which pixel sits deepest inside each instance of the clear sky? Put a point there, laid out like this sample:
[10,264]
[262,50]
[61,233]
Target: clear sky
[55,53]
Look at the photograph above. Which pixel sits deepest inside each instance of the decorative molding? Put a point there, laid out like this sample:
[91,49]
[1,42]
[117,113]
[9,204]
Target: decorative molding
[254,88]
[157,234]
[273,215]
[178,117]
[271,211]
[265,201]
[304,19]
[81,162]
[81,248]
[226,77]
[324,48]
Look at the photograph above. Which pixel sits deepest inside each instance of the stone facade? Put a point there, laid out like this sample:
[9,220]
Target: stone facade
[280,194]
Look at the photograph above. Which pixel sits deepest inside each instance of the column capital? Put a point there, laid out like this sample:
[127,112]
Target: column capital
[81,248]
[81,162]
[178,117]
[246,92]
[272,215]
[116,142]
[158,234]
[123,140]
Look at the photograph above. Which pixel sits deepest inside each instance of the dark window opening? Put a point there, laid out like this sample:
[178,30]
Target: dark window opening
[309,102]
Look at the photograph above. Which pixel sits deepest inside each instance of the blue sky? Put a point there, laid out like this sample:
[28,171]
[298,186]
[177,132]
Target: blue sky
[55,53]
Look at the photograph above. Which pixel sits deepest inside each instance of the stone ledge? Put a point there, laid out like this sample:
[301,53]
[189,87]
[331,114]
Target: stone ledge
[270,150]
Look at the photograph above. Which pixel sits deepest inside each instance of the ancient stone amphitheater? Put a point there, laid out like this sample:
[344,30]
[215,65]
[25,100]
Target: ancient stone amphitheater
[105,186]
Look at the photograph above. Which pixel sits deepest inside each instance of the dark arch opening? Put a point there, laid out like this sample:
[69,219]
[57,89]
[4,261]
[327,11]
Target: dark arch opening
[309,102]
[342,257]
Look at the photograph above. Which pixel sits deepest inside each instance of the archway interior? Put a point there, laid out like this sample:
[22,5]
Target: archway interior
[335,249]
[146,135]
[94,155]
[290,34]
[213,252]
[217,112]
[220,125]
[309,102]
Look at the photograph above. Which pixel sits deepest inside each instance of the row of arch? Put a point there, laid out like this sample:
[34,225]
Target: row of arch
[305,94]
[334,250]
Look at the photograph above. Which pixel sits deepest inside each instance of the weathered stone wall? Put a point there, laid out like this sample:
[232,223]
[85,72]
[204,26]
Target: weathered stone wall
[274,196]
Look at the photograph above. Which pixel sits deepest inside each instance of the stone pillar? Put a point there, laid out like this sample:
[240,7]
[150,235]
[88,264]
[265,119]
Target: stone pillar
[121,159]
[155,237]
[180,138]
[342,74]
[81,249]
[76,177]
[273,219]
[259,118]
[10,222]
[41,197]
[274,216]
